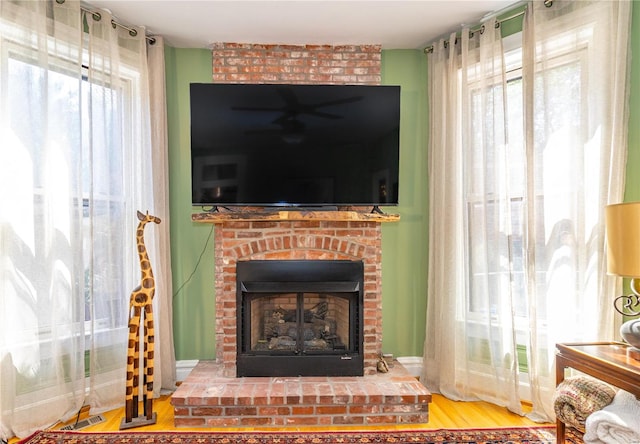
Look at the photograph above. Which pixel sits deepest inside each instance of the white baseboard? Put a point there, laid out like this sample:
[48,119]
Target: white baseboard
[413,364]
[183,368]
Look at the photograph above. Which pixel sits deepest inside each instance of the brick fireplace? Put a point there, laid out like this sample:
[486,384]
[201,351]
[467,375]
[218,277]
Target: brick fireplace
[212,395]
[302,239]
[297,240]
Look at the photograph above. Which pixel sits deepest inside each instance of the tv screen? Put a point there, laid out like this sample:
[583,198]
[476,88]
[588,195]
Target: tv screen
[294,145]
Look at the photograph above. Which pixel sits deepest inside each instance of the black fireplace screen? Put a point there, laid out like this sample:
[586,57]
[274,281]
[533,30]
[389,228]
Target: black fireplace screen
[299,318]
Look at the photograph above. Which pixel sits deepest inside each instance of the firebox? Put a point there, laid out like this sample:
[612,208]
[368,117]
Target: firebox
[300,318]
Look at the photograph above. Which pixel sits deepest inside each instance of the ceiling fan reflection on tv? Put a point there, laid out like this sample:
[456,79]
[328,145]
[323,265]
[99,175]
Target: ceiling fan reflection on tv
[291,129]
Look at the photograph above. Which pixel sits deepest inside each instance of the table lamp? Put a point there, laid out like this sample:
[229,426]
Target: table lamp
[623,259]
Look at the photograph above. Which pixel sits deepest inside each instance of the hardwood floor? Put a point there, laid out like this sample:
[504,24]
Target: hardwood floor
[443,413]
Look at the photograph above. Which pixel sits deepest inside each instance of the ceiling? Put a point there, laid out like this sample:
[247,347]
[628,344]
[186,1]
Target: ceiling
[394,24]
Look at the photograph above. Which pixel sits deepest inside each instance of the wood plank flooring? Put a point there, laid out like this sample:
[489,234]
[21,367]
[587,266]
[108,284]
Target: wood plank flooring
[443,413]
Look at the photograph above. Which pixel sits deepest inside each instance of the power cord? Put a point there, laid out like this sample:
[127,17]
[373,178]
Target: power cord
[197,263]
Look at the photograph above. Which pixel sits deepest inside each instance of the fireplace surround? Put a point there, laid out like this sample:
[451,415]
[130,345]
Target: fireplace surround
[213,395]
[296,235]
[299,318]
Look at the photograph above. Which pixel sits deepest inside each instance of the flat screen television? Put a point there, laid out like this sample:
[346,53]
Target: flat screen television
[275,145]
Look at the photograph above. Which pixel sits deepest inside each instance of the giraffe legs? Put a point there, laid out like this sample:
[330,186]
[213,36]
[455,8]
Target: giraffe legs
[131,418]
[131,393]
[149,341]
[136,361]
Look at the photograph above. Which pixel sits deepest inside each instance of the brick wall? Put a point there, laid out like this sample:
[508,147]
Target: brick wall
[257,63]
[304,64]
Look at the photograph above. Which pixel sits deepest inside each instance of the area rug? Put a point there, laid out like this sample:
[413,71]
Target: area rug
[517,435]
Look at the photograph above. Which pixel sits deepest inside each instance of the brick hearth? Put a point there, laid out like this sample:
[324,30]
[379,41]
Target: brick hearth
[210,399]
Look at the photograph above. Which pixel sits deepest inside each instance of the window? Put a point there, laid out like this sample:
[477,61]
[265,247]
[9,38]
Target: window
[74,196]
[499,182]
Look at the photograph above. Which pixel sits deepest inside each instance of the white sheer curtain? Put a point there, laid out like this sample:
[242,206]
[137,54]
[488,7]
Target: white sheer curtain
[527,146]
[76,163]
[165,369]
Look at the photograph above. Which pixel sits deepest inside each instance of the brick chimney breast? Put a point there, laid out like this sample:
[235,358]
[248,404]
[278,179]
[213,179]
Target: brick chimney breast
[304,64]
[323,240]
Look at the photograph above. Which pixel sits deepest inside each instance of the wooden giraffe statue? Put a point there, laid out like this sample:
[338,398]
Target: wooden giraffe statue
[141,298]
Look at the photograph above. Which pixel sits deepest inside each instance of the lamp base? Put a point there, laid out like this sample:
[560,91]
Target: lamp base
[630,332]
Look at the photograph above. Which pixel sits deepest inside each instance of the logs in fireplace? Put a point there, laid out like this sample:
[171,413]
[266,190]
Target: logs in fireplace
[300,318]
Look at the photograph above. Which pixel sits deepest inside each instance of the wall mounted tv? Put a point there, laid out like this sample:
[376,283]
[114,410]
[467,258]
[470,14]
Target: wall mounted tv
[294,145]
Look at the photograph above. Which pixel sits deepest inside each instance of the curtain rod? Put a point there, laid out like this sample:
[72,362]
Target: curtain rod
[97,17]
[547,3]
[132,32]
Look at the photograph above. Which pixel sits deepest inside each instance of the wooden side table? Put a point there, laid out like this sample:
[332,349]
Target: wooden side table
[608,361]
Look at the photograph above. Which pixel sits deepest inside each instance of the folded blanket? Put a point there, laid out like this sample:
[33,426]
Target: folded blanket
[577,397]
[617,423]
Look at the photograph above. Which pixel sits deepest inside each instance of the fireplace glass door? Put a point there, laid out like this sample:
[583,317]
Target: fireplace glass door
[300,323]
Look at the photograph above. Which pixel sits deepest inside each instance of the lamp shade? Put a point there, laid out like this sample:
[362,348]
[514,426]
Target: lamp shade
[623,239]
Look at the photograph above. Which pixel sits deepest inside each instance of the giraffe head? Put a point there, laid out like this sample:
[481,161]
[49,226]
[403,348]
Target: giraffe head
[146,218]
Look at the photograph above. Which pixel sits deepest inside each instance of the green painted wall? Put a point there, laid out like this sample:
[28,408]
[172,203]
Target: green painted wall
[191,256]
[404,243]
[632,189]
